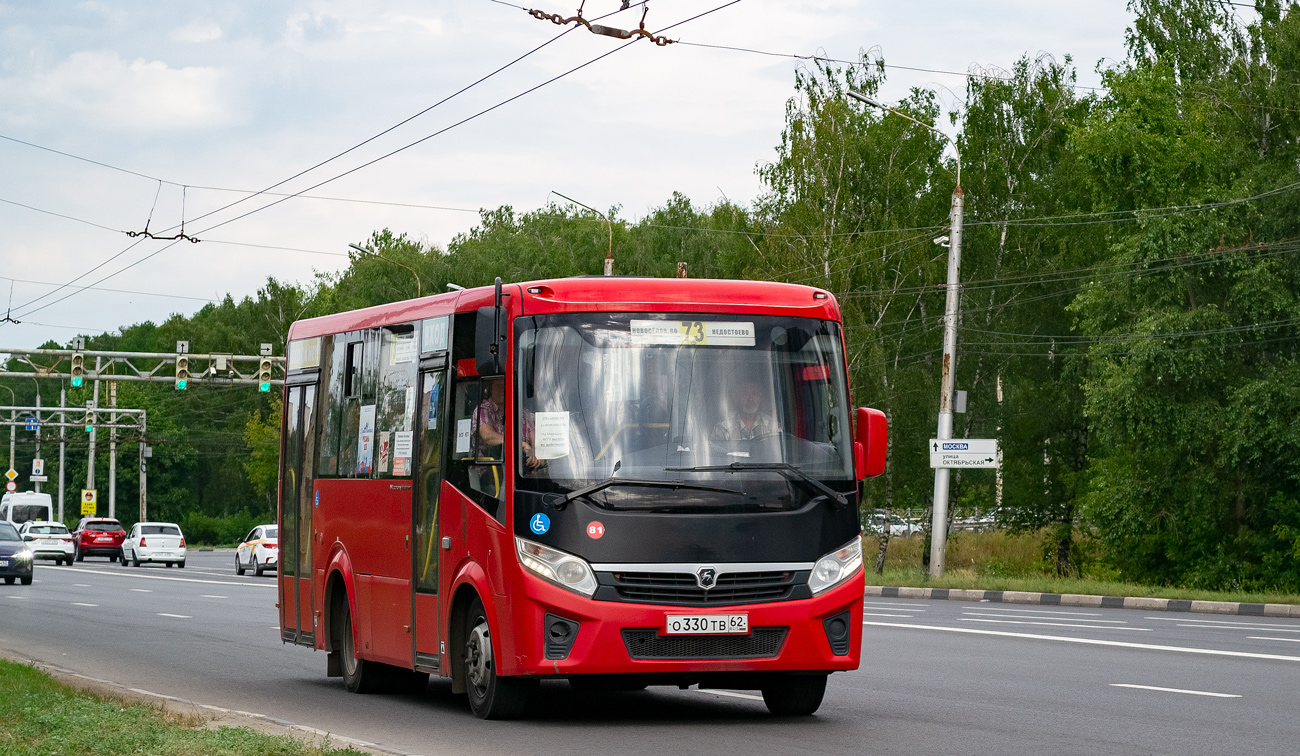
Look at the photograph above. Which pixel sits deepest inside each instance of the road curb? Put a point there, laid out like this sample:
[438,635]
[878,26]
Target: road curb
[1083,600]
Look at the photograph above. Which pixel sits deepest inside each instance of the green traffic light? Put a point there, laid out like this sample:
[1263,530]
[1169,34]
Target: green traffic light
[90,428]
[181,384]
[76,381]
[264,386]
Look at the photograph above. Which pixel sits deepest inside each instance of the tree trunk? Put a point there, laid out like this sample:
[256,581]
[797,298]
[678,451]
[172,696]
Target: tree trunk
[883,546]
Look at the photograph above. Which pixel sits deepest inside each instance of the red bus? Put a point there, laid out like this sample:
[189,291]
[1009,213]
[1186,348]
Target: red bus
[620,482]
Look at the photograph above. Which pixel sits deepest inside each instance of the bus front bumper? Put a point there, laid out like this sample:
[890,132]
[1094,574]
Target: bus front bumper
[819,634]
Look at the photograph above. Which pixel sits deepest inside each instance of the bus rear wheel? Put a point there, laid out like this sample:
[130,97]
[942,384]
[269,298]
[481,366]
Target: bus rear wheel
[490,695]
[795,695]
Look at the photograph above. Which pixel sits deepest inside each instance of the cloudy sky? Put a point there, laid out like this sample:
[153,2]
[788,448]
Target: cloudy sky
[212,97]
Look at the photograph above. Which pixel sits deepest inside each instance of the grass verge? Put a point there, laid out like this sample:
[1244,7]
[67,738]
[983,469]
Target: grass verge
[39,715]
[1002,561]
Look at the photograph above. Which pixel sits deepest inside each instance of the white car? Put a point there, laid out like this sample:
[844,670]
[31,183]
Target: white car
[154,542]
[48,540]
[260,550]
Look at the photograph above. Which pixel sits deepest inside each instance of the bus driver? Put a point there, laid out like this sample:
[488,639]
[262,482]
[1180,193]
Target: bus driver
[745,420]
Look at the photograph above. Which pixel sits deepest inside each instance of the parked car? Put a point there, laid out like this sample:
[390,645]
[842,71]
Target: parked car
[48,540]
[15,556]
[98,536]
[260,550]
[24,506]
[154,542]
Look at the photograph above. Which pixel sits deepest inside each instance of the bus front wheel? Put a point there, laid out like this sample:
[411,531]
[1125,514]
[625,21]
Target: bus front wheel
[490,696]
[795,695]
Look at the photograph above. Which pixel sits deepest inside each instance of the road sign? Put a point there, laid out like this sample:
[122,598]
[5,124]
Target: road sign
[38,478]
[964,452]
[32,425]
[88,501]
[11,474]
[11,486]
[38,467]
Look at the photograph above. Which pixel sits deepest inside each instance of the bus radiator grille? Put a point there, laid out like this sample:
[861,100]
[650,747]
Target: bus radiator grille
[647,643]
[682,589]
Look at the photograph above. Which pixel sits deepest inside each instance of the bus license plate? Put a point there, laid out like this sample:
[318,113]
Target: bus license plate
[707,624]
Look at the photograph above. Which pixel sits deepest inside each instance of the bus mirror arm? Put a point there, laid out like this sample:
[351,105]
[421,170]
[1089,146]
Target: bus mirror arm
[490,335]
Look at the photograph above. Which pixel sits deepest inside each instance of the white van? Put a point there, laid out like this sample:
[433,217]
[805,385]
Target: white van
[21,506]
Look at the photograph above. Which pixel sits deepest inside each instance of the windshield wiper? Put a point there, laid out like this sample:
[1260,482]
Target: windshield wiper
[606,483]
[782,467]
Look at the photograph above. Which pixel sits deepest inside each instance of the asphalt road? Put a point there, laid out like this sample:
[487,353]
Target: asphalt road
[937,677]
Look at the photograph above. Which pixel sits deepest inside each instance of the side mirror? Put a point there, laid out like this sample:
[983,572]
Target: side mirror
[870,443]
[490,337]
[29,537]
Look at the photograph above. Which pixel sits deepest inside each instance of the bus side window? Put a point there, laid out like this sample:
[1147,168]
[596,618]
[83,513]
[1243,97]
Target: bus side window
[479,422]
[397,401]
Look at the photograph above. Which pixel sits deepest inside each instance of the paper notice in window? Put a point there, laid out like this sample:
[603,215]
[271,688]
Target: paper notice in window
[405,350]
[552,435]
[402,444]
[464,428]
[384,446]
[366,440]
[408,415]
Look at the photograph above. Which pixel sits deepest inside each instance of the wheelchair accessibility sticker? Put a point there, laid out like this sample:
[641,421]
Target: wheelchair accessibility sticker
[539,524]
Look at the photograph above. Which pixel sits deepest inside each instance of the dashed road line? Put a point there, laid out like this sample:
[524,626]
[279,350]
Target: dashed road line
[881,614]
[142,590]
[78,603]
[1247,628]
[729,694]
[210,596]
[1227,623]
[1036,617]
[1056,624]
[177,616]
[1019,610]
[172,579]
[1090,641]
[1175,690]
[1252,637]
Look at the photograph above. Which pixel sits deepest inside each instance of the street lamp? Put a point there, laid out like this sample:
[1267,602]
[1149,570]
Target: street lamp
[939,518]
[609,256]
[365,251]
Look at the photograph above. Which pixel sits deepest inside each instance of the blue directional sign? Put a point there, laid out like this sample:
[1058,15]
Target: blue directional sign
[32,425]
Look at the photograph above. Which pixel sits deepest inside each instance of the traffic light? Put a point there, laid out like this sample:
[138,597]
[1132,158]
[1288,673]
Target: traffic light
[78,369]
[90,421]
[182,372]
[264,374]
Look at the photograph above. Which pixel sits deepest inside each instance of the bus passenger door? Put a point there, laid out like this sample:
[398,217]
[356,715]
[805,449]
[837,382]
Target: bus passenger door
[425,609]
[295,515]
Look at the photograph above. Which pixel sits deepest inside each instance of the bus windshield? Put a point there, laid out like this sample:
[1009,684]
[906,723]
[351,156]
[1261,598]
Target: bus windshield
[748,412]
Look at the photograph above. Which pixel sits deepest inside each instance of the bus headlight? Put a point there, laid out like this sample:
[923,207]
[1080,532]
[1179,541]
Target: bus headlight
[565,570]
[836,567]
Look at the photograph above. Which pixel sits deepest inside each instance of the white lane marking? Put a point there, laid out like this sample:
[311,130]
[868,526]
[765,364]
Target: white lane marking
[1252,637]
[1228,623]
[207,596]
[1019,610]
[143,590]
[981,613]
[1055,624]
[20,598]
[82,585]
[882,614]
[729,693]
[136,576]
[1247,628]
[891,603]
[78,603]
[1176,690]
[1090,641]
[177,616]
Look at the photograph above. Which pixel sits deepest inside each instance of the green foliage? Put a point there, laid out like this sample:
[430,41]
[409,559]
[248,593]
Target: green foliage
[220,531]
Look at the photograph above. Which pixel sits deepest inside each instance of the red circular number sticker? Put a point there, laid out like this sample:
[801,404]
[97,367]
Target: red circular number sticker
[595,529]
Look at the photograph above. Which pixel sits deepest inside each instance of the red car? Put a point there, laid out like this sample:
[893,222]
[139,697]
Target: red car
[98,536]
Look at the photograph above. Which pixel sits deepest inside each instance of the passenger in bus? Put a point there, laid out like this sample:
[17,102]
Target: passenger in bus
[746,419]
[490,421]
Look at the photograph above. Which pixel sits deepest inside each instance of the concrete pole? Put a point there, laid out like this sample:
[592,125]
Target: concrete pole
[38,433]
[144,510]
[94,405]
[63,442]
[952,307]
[112,451]
[13,436]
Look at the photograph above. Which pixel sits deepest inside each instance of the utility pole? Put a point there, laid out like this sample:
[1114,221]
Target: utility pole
[951,311]
[63,443]
[38,434]
[94,405]
[112,451]
[144,452]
